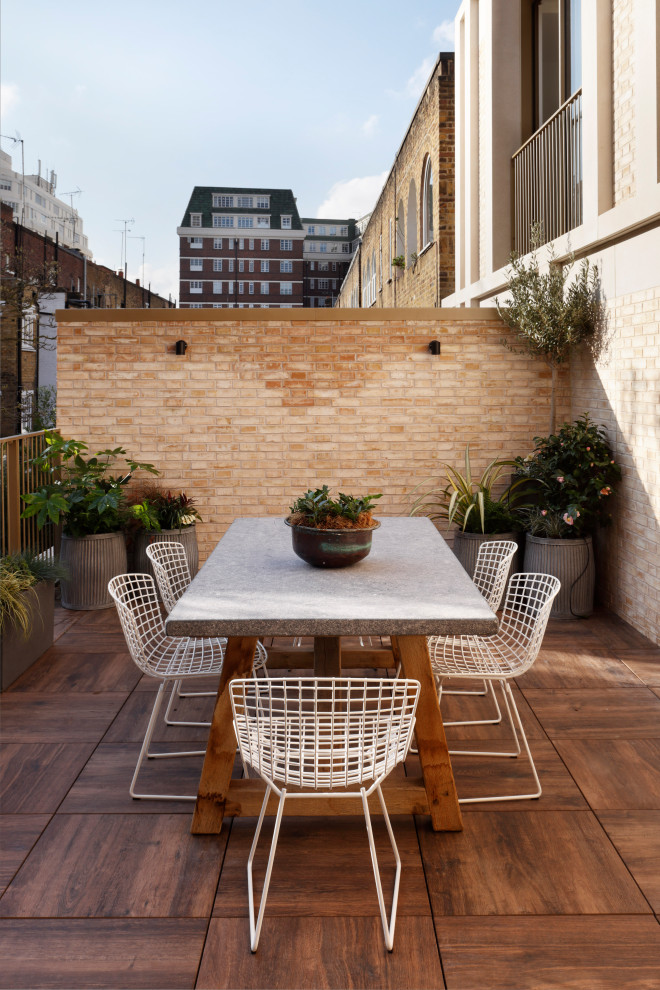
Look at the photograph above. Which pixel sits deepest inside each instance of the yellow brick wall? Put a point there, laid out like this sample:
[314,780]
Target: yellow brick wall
[623,107]
[264,406]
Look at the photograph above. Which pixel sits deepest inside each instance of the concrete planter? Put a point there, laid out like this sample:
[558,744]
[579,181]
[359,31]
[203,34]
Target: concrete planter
[572,561]
[187,537]
[91,562]
[17,652]
[466,548]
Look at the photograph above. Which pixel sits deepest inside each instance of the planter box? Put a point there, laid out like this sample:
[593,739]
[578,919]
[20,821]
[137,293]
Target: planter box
[572,561]
[18,653]
[187,537]
[466,548]
[91,562]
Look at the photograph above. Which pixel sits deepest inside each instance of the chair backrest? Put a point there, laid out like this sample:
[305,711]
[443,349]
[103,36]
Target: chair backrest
[526,612]
[171,570]
[323,733]
[492,569]
[140,616]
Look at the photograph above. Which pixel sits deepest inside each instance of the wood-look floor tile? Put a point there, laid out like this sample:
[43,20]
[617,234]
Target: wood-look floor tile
[323,867]
[527,862]
[18,833]
[93,673]
[131,722]
[602,953]
[636,835]
[341,953]
[58,718]
[615,774]
[557,670]
[615,633]
[74,954]
[568,634]
[644,663]
[35,777]
[79,641]
[612,713]
[461,707]
[103,866]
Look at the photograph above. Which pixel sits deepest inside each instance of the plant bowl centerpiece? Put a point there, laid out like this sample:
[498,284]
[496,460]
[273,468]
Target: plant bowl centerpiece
[329,533]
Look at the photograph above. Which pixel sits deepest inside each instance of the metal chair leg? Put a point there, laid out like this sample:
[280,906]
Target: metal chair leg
[255,929]
[388,929]
[144,751]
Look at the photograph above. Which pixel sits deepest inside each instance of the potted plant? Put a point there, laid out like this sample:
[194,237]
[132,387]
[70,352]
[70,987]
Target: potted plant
[27,597]
[332,533]
[162,517]
[90,502]
[472,504]
[575,476]
[399,261]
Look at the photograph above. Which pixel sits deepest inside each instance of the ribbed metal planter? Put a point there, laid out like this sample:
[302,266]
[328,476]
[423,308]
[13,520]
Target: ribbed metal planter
[187,537]
[91,562]
[331,547]
[572,561]
[466,548]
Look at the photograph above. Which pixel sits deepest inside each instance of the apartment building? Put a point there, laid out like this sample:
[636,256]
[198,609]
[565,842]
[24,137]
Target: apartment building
[327,253]
[557,125]
[241,248]
[36,207]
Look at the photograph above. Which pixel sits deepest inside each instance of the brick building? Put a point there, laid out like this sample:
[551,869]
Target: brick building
[241,248]
[327,254]
[406,257]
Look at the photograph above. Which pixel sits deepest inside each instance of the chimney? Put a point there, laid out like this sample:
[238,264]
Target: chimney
[120,274]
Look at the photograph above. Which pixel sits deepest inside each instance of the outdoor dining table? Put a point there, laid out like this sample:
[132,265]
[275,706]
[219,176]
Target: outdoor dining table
[409,587]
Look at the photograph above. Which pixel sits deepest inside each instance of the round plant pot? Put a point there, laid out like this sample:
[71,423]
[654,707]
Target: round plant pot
[91,562]
[331,547]
[466,548]
[572,561]
[187,537]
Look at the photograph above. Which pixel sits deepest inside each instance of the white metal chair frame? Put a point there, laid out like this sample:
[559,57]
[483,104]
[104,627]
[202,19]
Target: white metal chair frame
[172,574]
[322,736]
[499,658]
[169,659]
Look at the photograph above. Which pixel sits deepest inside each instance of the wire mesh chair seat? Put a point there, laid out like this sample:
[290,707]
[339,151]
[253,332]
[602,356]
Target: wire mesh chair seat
[499,658]
[326,737]
[169,659]
[172,573]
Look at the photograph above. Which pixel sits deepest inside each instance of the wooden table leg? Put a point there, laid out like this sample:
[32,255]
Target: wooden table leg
[431,742]
[327,656]
[221,747]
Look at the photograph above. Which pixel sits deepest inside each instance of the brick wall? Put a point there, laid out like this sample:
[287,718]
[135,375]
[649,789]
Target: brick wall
[623,96]
[262,407]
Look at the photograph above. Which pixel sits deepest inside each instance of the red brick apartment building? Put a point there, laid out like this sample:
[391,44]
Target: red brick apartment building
[328,252]
[241,248]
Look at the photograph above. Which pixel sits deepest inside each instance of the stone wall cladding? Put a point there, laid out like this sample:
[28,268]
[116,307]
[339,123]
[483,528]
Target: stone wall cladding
[623,98]
[428,281]
[617,391]
[260,410]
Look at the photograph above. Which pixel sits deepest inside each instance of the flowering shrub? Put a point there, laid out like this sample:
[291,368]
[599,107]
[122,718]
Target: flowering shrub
[576,474]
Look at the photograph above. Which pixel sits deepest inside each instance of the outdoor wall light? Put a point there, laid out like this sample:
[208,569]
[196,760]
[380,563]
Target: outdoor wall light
[434,347]
[180,347]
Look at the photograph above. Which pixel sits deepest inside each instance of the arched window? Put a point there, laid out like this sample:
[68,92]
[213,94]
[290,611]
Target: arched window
[400,231]
[427,204]
[373,277]
[411,225]
[366,282]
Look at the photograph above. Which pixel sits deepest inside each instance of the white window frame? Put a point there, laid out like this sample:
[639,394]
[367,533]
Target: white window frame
[286,266]
[217,264]
[196,285]
[286,245]
[428,233]
[265,288]
[286,288]
[195,219]
[263,222]
[245,222]
[265,265]
[285,222]
[217,244]
[244,202]
[196,264]
[196,243]
[223,201]
[265,245]
[217,288]
[263,202]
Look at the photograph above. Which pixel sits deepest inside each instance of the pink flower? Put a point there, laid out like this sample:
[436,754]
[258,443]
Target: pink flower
[560,479]
[567,519]
[588,448]
[611,462]
[592,464]
[544,512]
[606,490]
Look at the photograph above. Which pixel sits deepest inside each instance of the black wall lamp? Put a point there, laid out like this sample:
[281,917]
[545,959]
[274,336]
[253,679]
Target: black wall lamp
[180,347]
[434,347]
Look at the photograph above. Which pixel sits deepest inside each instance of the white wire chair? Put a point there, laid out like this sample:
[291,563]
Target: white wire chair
[172,574]
[322,736]
[169,659]
[499,658]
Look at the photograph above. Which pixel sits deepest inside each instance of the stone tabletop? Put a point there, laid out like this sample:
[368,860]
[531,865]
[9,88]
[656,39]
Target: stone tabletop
[411,584]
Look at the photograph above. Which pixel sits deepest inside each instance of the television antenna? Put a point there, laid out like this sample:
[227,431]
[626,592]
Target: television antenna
[17,139]
[124,234]
[74,192]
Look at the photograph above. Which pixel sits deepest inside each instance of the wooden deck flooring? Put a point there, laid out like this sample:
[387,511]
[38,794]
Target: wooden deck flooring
[99,890]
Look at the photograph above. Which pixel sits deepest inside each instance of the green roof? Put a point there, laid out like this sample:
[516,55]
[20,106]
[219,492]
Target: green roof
[282,201]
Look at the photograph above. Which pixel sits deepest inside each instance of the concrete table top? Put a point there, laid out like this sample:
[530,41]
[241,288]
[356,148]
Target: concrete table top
[253,584]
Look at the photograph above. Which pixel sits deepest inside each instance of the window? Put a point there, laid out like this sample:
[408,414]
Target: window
[195,242]
[263,202]
[217,243]
[343,231]
[230,287]
[324,266]
[223,201]
[427,204]
[265,245]
[333,232]
[324,283]
[264,288]
[373,276]
[286,288]
[241,288]
[230,264]
[222,220]
[27,331]
[196,264]
[217,288]
[334,266]
[557,44]
[251,288]
[263,221]
[241,244]
[241,265]
[251,265]
[195,286]
[245,221]
[244,202]
[230,243]
[217,264]
[334,283]
[380,262]
[4,184]
[195,219]
[311,266]
[323,247]
[286,245]
[286,266]
[390,249]
[310,228]
[321,230]
[285,222]
[265,266]
[251,244]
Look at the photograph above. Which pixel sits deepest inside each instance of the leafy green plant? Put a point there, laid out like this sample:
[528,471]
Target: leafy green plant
[316,508]
[156,509]
[575,476]
[471,502]
[83,494]
[19,573]
[399,261]
[548,313]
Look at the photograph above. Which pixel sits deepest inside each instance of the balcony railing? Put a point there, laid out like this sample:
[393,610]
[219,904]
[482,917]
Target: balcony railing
[547,178]
[18,476]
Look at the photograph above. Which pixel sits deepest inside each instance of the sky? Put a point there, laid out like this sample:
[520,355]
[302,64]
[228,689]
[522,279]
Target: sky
[135,103]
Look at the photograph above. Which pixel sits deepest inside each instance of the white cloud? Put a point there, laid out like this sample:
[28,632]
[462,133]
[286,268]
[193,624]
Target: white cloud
[444,36]
[415,85]
[8,96]
[352,198]
[369,127]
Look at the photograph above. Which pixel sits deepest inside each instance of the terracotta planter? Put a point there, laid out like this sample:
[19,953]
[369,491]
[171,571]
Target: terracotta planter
[17,652]
[331,547]
[187,537]
[466,548]
[91,562]
[572,561]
